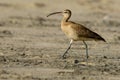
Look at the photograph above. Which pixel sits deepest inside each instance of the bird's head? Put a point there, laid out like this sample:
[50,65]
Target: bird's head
[65,13]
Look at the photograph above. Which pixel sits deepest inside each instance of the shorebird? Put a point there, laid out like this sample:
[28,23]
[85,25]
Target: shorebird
[75,31]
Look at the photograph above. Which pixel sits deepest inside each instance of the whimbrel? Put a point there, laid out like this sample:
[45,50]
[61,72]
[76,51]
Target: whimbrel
[76,32]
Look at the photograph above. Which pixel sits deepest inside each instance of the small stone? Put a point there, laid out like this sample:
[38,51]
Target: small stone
[76,61]
[105,57]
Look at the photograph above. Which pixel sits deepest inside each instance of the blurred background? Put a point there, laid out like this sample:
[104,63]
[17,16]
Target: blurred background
[31,43]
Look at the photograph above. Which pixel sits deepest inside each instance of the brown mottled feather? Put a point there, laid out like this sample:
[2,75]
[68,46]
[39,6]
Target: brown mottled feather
[81,32]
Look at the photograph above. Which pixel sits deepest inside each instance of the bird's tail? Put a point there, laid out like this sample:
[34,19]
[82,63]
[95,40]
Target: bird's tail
[98,37]
[102,39]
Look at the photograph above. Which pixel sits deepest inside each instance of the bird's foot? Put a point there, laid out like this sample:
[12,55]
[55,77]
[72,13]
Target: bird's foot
[64,57]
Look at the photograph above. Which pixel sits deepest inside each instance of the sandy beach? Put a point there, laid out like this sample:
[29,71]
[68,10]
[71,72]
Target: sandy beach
[31,44]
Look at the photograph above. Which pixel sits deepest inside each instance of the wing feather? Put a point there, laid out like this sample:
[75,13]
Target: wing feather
[85,32]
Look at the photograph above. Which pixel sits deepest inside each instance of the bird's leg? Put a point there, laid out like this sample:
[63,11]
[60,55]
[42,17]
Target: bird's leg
[63,56]
[86,49]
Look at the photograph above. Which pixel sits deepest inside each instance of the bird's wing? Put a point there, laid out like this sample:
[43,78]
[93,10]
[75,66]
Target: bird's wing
[85,32]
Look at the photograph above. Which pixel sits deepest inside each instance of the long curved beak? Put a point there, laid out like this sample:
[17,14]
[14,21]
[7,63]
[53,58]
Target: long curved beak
[53,13]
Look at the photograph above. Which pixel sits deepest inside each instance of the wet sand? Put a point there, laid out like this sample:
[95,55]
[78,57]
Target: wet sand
[31,44]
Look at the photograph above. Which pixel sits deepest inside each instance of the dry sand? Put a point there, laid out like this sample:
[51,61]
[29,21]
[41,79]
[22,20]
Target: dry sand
[31,44]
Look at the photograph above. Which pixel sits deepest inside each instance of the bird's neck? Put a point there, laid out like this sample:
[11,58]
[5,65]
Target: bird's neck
[65,19]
